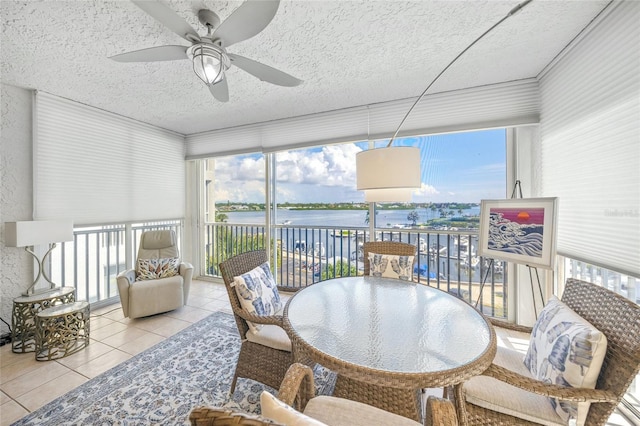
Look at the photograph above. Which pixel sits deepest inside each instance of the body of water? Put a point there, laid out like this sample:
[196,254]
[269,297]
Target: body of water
[345,218]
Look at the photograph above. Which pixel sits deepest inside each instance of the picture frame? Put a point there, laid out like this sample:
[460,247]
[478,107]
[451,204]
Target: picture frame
[519,230]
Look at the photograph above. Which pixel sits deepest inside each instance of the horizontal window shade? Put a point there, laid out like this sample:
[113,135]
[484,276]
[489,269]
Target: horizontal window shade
[499,105]
[95,167]
[590,143]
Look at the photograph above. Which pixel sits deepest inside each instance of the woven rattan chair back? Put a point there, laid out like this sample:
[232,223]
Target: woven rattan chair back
[205,416]
[233,267]
[386,247]
[257,362]
[619,320]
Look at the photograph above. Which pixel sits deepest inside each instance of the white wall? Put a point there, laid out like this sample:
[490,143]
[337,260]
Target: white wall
[16,267]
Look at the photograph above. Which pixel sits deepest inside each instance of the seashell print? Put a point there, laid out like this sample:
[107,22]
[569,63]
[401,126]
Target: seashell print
[581,350]
[559,352]
[557,330]
[543,371]
[400,267]
[377,265]
[531,359]
[560,380]
[545,319]
[258,306]
[244,292]
[570,408]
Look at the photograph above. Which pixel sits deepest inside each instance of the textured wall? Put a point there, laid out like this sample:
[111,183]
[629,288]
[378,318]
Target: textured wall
[16,201]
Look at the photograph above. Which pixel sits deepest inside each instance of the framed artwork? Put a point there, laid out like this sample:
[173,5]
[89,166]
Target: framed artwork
[519,230]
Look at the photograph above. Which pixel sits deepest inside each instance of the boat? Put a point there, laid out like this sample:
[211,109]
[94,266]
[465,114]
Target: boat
[286,222]
[342,233]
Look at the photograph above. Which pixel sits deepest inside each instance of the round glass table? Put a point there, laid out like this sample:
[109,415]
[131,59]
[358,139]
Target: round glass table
[384,335]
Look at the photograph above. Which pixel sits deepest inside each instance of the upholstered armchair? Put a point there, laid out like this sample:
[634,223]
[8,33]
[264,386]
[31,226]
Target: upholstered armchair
[159,282]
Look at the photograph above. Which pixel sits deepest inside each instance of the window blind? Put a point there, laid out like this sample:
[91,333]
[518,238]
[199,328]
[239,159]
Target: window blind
[95,167]
[499,105]
[590,143]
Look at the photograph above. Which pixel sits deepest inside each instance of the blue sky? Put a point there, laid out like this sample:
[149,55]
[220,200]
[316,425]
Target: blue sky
[459,167]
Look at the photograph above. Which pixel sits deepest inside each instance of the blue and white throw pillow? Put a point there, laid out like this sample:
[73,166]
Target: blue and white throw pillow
[258,293]
[391,266]
[566,350]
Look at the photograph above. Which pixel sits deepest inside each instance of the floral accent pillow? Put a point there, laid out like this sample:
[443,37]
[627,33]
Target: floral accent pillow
[258,293]
[391,266]
[566,350]
[151,269]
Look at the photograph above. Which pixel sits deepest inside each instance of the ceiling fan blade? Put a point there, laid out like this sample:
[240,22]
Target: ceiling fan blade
[264,72]
[220,90]
[249,19]
[152,54]
[168,18]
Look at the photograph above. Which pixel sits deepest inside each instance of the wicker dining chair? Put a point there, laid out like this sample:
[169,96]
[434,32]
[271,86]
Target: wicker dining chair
[386,247]
[256,361]
[613,315]
[297,391]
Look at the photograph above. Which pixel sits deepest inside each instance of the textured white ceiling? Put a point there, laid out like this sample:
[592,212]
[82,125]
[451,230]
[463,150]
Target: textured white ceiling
[351,52]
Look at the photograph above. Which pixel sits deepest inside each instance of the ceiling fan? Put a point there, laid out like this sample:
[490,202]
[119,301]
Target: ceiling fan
[208,53]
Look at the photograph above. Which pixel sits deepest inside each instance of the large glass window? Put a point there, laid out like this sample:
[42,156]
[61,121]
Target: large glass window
[319,221]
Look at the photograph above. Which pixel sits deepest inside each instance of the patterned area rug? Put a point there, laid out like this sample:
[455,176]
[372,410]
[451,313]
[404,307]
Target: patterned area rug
[162,384]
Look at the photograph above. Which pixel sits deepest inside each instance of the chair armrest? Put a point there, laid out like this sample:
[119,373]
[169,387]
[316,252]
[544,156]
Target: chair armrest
[510,326]
[127,277]
[124,280]
[185,268]
[440,412]
[212,416]
[550,390]
[297,386]
[259,319]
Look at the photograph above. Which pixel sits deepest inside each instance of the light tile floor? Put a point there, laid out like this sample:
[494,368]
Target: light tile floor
[27,384]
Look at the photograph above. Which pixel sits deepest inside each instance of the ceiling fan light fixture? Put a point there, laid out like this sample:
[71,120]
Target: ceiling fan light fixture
[209,62]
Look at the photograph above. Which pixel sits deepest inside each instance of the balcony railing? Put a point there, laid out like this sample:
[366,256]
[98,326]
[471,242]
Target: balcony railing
[303,256]
[446,260]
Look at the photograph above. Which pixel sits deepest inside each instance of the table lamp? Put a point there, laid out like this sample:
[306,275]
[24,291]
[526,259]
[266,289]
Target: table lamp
[28,234]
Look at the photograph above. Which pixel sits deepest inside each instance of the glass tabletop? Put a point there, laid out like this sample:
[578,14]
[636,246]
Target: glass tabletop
[388,325]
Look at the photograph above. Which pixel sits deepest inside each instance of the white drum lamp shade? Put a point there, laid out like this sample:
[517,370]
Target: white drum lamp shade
[28,234]
[388,174]
[33,233]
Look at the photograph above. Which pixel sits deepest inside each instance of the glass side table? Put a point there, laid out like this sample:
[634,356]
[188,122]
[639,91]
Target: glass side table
[25,309]
[62,330]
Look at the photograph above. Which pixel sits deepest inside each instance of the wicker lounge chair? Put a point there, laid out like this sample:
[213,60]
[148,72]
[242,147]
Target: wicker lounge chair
[386,247]
[613,315]
[256,361]
[298,391]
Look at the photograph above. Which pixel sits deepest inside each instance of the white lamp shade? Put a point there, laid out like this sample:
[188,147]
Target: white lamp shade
[388,168]
[32,233]
[388,195]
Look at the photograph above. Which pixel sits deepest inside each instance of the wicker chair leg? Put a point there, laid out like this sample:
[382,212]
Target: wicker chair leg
[233,383]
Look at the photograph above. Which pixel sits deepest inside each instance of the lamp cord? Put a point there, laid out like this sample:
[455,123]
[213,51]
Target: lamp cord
[511,13]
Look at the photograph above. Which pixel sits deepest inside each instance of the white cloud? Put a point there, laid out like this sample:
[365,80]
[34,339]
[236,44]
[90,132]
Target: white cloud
[333,165]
